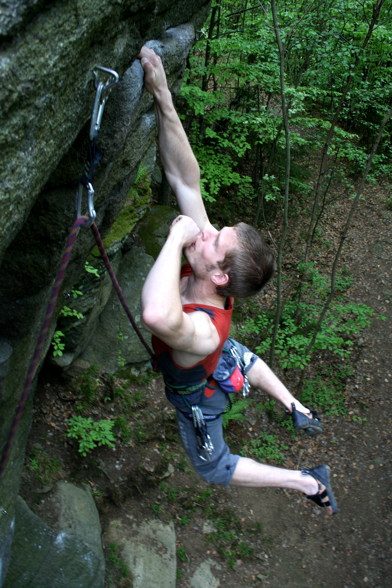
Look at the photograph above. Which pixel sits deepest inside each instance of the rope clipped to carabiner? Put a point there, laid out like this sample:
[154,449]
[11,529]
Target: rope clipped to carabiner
[104,80]
[103,88]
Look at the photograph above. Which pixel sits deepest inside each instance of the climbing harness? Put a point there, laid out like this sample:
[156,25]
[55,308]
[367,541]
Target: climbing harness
[231,371]
[230,375]
[192,396]
[104,80]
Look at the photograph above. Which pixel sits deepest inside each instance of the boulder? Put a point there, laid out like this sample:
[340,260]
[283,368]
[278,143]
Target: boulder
[68,552]
[148,549]
[203,577]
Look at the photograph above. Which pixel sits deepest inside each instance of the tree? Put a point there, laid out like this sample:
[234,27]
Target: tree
[276,91]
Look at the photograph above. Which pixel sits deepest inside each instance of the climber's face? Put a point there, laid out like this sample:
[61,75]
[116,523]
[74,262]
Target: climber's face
[209,249]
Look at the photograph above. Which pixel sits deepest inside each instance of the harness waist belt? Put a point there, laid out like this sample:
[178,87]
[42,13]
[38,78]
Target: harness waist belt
[183,391]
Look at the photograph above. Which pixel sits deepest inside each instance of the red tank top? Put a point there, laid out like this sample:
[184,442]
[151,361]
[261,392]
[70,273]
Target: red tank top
[177,376]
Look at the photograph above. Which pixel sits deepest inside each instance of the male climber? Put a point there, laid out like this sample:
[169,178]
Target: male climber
[188,311]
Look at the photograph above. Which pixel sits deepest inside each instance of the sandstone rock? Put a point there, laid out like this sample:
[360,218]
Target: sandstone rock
[68,554]
[204,577]
[148,549]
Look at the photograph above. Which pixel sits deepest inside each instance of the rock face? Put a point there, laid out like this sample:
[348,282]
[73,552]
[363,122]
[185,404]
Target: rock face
[48,53]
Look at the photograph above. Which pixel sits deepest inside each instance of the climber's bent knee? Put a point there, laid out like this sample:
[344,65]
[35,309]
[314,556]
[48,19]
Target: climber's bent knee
[218,471]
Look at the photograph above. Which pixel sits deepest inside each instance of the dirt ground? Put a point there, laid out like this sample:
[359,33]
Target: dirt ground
[258,537]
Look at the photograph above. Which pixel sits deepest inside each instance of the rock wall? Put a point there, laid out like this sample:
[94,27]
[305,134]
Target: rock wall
[48,52]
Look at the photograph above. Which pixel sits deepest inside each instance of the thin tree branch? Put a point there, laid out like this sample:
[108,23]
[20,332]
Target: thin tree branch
[347,226]
[279,305]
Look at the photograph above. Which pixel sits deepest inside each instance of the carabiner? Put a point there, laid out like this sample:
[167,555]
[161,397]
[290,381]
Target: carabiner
[102,92]
[90,201]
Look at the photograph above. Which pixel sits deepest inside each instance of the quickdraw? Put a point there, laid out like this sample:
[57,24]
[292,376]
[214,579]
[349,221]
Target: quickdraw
[204,443]
[103,88]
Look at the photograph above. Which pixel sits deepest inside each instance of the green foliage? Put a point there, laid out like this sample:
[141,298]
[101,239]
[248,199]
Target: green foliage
[356,418]
[90,269]
[182,554]
[90,434]
[58,337]
[121,360]
[118,565]
[326,390]
[57,343]
[156,509]
[185,519]
[170,492]
[333,341]
[88,388]
[229,539]
[232,94]
[236,412]
[67,311]
[265,448]
[124,397]
[122,428]
[218,173]
[203,497]
[267,407]
[45,468]
[140,432]
[228,534]
[299,319]
[137,377]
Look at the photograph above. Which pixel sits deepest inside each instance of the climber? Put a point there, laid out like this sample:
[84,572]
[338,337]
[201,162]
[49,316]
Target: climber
[188,311]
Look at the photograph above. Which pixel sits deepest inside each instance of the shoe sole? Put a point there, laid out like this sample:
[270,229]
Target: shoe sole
[311,430]
[319,475]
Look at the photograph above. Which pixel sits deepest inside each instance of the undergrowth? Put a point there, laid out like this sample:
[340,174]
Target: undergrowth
[329,355]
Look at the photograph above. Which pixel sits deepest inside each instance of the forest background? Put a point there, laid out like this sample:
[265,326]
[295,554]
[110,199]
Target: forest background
[288,108]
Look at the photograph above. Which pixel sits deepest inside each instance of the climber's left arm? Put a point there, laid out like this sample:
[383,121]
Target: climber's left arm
[178,159]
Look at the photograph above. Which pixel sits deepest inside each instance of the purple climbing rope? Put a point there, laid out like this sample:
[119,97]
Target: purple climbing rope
[93,159]
[79,222]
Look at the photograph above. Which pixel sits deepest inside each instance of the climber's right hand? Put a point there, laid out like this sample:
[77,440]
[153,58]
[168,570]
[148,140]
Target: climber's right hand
[154,73]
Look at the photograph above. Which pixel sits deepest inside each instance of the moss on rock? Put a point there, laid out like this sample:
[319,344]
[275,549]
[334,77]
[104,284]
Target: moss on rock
[154,227]
[134,207]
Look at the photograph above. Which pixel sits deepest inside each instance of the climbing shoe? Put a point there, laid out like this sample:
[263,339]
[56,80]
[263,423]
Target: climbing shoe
[324,496]
[309,422]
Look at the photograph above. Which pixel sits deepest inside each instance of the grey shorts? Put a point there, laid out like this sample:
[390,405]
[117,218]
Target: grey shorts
[220,468]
